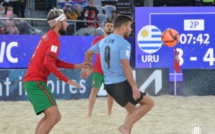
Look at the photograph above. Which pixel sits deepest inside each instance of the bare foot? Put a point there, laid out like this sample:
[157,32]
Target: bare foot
[109,113]
[124,130]
[89,115]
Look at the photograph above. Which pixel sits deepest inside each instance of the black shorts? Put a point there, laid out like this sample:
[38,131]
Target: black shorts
[122,93]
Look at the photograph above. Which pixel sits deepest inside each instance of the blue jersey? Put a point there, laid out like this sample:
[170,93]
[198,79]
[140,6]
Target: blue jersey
[112,50]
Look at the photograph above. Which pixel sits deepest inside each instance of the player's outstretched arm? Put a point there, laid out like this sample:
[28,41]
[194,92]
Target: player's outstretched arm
[62,64]
[74,83]
[49,62]
[83,65]
[79,66]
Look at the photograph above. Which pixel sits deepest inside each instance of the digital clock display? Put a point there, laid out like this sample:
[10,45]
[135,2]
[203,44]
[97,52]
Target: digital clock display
[197,37]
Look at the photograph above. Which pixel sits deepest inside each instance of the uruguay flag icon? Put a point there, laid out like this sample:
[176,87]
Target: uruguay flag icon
[149,39]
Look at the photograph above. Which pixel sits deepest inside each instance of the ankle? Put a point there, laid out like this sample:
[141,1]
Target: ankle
[126,126]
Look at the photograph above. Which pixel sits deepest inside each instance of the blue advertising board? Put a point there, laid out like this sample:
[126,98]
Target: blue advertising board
[153,81]
[11,85]
[16,51]
[197,38]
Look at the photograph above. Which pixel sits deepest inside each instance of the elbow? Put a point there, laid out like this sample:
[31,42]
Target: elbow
[87,53]
[49,62]
[46,64]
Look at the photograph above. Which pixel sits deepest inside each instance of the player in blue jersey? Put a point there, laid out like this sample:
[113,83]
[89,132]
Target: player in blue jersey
[118,79]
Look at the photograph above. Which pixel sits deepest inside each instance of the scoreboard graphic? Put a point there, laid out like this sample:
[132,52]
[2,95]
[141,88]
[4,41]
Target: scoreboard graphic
[197,37]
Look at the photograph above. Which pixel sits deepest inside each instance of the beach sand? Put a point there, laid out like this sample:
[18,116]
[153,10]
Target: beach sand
[170,115]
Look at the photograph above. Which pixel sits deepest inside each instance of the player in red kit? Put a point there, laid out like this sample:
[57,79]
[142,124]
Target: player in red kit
[98,78]
[43,62]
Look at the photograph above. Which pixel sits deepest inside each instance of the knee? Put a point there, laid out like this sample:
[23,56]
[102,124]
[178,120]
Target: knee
[148,102]
[57,117]
[151,104]
[129,112]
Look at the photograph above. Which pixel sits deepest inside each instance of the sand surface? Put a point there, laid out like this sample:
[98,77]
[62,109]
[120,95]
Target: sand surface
[171,115]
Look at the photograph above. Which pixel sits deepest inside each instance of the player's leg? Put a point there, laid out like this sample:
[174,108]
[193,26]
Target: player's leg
[146,105]
[43,101]
[96,83]
[49,108]
[52,117]
[92,100]
[130,109]
[110,101]
[110,104]
[119,92]
[39,124]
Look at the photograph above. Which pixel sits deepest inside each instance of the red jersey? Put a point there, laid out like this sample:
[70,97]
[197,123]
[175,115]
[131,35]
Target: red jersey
[97,65]
[45,60]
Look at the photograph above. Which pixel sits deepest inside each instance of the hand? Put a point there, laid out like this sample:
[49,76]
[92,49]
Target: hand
[83,65]
[86,72]
[75,84]
[87,64]
[136,92]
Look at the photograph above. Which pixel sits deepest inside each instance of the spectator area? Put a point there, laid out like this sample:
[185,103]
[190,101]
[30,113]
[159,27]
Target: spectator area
[36,11]
[41,12]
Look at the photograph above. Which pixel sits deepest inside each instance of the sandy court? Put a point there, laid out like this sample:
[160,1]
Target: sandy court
[171,115]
